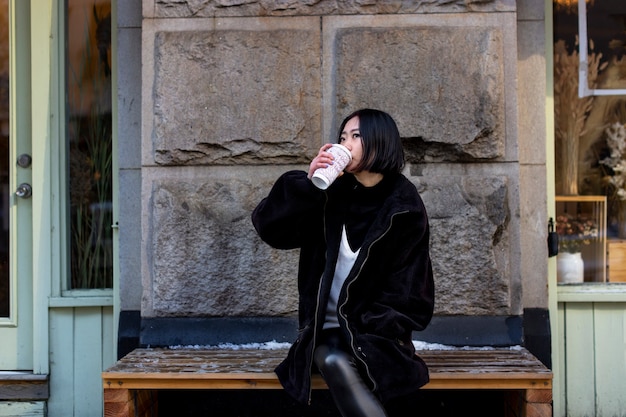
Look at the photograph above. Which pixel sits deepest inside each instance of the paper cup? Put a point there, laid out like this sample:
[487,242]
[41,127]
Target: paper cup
[323,177]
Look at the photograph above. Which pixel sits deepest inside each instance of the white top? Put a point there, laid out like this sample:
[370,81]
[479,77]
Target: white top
[342,269]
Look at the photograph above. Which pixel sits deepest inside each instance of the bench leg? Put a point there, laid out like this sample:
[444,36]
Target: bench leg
[130,403]
[537,403]
[118,403]
[529,403]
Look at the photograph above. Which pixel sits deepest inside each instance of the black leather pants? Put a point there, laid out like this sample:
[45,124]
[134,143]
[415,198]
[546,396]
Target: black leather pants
[350,393]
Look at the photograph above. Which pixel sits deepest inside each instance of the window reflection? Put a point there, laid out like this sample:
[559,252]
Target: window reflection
[88,77]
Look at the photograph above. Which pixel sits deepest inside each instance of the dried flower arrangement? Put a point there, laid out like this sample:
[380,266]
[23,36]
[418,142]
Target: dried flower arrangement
[616,161]
[571,111]
[575,232]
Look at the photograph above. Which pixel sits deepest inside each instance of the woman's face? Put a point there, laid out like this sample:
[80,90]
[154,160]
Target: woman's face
[351,139]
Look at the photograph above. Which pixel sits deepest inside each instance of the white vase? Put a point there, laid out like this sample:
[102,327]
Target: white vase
[570,267]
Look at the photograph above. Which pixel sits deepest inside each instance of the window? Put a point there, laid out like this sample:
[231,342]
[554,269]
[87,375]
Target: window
[89,142]
[590,132]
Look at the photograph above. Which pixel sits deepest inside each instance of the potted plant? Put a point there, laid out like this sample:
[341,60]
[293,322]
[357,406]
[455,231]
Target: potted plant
[574,233]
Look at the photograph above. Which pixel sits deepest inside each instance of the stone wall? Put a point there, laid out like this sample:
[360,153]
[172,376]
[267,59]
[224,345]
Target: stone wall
[236,93]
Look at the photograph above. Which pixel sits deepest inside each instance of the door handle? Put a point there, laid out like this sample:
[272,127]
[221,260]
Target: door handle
[24,190]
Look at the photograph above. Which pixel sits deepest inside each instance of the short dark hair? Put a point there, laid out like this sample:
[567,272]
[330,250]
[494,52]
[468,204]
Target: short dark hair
[382,146]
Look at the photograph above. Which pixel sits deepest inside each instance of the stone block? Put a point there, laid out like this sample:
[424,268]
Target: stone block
[245,93]
[204,254]
[128,14]
[443,85]
[129,98]
[469,221]
[130,234]
[534,234]
[532,104]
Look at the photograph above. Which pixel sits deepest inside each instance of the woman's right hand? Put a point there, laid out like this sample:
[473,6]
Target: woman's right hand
[322,160]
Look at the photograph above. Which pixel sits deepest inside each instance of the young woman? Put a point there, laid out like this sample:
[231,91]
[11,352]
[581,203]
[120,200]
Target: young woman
[365,279]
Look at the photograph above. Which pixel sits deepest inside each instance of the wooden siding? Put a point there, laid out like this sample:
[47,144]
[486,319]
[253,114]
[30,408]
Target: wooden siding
[592,357]
[81,347]
[22,409]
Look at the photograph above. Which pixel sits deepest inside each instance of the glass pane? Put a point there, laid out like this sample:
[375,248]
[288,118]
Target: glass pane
[4,158]
[590,133]
[88,63]
[606,27]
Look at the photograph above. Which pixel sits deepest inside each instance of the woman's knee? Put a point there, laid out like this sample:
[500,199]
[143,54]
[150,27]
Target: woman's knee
[332,361]
[326,358]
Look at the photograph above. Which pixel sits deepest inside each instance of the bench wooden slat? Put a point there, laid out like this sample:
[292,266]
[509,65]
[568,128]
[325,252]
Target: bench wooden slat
[253,368]
[269,381]
[254,360]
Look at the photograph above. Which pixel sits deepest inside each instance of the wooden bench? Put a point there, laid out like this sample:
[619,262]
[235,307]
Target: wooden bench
[131,384]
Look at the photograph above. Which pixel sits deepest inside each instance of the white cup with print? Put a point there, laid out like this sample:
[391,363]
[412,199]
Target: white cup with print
[323,177]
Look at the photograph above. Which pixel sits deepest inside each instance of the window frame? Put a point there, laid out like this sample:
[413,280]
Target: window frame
[61,292]
[583,83]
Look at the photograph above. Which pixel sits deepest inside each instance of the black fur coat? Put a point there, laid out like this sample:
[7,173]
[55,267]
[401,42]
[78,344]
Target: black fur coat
[389,292]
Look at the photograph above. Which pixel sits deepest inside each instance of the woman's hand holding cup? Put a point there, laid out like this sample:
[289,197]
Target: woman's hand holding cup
[322,160]
[329,164]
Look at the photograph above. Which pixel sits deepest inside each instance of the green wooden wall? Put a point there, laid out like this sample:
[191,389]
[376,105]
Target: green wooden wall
[592,353]
[81,347]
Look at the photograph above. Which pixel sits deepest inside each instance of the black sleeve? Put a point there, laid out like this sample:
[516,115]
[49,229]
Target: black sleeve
[291,212]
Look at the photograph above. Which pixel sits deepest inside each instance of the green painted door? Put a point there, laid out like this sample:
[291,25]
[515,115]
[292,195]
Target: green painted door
[16,241]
